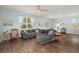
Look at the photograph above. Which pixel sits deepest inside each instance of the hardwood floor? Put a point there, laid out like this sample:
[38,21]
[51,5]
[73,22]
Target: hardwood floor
[63,44]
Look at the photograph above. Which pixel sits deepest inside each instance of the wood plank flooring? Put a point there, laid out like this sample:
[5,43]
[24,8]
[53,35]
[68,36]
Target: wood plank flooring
[63,44]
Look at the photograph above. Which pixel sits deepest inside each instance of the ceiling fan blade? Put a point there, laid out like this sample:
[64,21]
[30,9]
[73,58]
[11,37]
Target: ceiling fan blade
[43,10]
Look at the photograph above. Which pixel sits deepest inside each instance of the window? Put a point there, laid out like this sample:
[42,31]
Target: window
[26,22]
[75,23]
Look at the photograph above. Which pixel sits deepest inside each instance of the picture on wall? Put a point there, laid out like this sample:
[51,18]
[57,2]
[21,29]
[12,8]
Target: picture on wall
[7,22]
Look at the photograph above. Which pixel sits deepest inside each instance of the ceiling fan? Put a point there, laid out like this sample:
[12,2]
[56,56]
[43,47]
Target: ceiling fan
[38,7]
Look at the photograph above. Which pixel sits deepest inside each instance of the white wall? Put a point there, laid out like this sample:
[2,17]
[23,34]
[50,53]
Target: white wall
[40,24]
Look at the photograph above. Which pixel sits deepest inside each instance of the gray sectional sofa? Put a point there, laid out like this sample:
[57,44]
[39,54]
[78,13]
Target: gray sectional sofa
[25,34]
[44,38]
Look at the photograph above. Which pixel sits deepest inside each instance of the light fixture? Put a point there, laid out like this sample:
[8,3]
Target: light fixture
[38,10]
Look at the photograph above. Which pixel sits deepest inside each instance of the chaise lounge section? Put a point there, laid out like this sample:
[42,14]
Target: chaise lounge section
[44,38]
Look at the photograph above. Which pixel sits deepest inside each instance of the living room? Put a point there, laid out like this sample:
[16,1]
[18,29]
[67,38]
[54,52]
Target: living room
[39,28]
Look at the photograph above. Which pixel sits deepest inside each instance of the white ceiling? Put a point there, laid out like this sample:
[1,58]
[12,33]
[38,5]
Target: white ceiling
[54,11]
